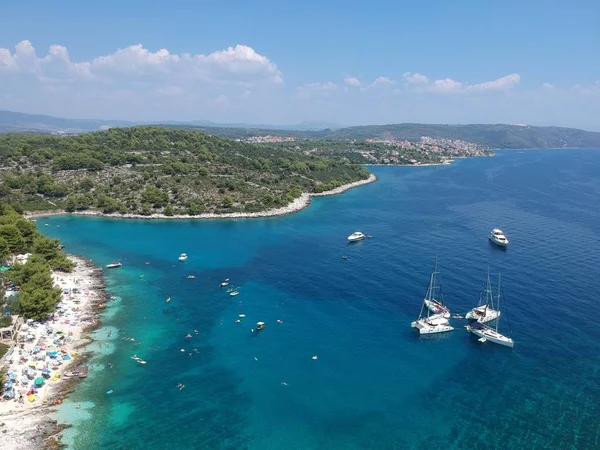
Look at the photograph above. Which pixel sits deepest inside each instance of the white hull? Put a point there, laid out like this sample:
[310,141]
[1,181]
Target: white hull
[432,325]
[497,242]
[356,236]
[437,309]
[490,314]
[492,336]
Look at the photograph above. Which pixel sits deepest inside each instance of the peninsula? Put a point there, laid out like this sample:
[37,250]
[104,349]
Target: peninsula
[144,171]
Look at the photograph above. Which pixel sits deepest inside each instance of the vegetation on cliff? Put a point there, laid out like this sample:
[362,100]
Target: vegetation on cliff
[37,296]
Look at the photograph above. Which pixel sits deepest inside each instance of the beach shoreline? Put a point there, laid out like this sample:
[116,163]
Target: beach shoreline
[298,204]
[28,424]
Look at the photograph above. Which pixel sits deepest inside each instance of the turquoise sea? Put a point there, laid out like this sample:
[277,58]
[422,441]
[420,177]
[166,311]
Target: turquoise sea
[375,384]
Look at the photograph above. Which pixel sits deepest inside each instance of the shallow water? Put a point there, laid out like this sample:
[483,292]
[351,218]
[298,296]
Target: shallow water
[375,384]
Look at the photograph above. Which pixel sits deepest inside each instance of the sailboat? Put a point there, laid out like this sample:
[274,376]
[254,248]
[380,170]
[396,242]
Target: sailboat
[433,323]
[436,305]
[487,333]
[484,312]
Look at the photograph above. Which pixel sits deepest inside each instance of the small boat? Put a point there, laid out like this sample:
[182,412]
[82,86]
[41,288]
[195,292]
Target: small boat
[168,299]
[234,293]
[141,361]
[114,265]
[224,283]
[182,257]
[191,277]
[356,236]
[498,237]
[135,358]
[487,333]
[437,322]
[260,326]
[242,315]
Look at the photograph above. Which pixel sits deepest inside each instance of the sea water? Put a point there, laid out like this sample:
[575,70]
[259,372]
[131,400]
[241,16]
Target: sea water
[374,383]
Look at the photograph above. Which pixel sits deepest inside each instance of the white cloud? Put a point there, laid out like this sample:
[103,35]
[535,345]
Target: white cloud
[548,86]
[311,89]
[415,78]
[420,83]
[352,82]
[446,85]
[499,84]
[230,65]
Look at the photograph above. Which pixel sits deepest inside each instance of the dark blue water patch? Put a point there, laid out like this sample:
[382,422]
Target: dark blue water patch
[374,383]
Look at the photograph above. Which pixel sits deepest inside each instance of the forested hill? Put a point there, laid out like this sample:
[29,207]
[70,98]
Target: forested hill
[492,136]
[147,170]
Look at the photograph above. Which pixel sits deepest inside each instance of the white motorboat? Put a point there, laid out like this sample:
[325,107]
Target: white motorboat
[433,323]
[487,333]
[260,326]
[356,236]
[114,265]
[234,293]
[182,257]
[484,312]
[498,237]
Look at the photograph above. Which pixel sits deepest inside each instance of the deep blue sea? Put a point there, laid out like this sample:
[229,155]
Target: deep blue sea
[375,384]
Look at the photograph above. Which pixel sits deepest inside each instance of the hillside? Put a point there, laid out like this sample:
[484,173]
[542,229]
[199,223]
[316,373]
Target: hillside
[145,170]
[492,136]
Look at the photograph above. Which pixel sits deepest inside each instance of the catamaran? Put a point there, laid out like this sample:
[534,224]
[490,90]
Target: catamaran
[487,333]
[437,322]
[484,312]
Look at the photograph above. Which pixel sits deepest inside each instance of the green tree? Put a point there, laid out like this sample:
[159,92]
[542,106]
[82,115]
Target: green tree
[37,304]
[4,248]
[13,238]
[169,210]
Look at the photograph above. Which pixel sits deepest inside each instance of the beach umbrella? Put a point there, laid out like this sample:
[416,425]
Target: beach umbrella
[31,397]
[39,365]
[8,384]
[24,379]
[30,372]
[46,371]
[31,363]
[36,349]
[39,381]
[52,354]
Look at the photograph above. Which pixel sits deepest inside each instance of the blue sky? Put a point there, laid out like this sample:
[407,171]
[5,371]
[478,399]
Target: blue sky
[535,62]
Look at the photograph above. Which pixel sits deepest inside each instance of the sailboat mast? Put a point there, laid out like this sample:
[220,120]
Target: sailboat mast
[498,303]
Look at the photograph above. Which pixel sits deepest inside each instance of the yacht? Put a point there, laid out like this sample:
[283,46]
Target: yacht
[487,333]
[484,312]
[356,236]
[498,238]
[114,265]
[433,323]
[182,257]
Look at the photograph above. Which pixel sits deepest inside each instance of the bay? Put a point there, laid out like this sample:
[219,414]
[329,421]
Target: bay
[374,384]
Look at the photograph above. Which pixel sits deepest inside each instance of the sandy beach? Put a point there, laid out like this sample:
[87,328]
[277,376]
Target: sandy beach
[297,205]
[44,352]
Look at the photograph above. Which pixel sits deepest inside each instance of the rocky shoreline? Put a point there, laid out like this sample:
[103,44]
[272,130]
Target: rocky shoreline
[29,425]
[297,205]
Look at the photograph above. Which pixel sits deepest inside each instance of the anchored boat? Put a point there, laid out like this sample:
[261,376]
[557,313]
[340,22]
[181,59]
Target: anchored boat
[433,323]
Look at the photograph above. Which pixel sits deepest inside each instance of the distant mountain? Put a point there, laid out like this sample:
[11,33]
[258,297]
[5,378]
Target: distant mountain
[493,136]
[15,122]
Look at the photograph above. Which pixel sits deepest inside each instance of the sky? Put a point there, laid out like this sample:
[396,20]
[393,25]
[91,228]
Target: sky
[276,62]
